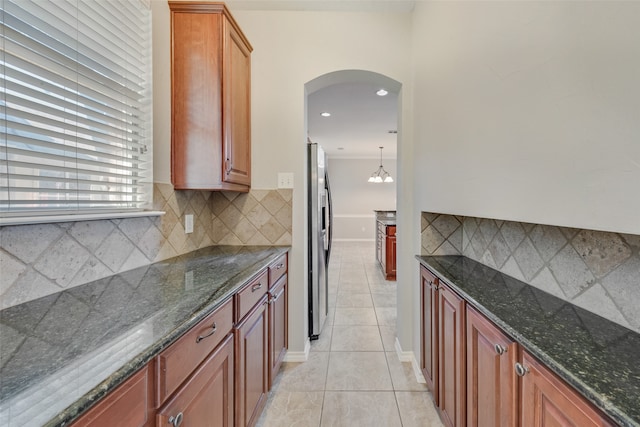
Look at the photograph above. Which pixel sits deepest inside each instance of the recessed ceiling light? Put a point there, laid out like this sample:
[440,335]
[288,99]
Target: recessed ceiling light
[325,114]
[381,92]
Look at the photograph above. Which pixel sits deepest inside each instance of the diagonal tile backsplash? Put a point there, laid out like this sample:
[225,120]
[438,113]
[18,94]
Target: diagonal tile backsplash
[598,271]
[38,260]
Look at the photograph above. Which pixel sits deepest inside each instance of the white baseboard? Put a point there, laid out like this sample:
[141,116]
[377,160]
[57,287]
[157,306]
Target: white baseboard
[299,356]
[409,356]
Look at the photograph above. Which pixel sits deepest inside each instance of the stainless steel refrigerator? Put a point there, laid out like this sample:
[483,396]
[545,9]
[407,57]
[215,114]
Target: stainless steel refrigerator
[319,239]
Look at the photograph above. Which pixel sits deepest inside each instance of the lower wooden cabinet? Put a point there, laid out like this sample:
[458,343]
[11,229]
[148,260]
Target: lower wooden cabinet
[549,401]
[483,377]
[492,384]
[278,320]
[252,364]
[129,405]
[451,360]
[429,330]
[206,398]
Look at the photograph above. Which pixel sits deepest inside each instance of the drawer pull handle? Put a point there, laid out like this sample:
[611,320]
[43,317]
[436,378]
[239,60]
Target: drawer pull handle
[256,287]
[177,420]
[521,370]
[279,266]
[500,349]
[214,328]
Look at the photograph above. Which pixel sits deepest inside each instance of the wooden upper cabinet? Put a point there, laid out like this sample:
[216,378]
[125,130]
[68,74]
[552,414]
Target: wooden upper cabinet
[210,99]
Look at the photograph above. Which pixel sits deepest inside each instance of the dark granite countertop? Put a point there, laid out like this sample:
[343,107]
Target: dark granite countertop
[598,357]
[61,353]
[387,221]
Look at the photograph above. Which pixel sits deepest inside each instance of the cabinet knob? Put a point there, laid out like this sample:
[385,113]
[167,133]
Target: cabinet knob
[177,420]
[500,349]
[521,370]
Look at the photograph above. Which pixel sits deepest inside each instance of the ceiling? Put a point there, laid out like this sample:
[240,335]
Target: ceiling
[360,120]
[335,5]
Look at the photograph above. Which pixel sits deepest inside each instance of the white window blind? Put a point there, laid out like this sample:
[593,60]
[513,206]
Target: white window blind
[75,106]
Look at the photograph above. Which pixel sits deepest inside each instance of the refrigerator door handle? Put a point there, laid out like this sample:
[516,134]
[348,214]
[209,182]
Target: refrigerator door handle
[330,222]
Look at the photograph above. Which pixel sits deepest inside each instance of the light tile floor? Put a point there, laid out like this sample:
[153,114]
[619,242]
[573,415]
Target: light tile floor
[353,376]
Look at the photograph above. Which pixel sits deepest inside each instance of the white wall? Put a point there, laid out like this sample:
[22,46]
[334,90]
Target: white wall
[290,49]
[530,111]
[355,199]
[527,111]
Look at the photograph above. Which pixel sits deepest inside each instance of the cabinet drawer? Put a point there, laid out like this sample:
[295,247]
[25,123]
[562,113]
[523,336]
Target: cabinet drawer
[277,270]
[249,295]
[177,362]
[131,404]
[391,230]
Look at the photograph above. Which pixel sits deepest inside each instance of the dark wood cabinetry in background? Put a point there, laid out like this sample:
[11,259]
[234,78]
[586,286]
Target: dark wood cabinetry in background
[386,249]
[210,99]
[481,377]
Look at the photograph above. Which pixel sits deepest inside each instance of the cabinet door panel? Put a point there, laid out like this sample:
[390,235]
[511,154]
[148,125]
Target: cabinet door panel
[278,309]
[252,365]
[237,131]
[206,398]
[491,379]
[196,61]
[547,401]
[451,372]
[429,330]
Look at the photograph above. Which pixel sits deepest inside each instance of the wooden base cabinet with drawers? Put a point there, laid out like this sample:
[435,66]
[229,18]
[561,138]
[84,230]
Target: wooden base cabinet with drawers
[206,398]
[218,373]
[485,373]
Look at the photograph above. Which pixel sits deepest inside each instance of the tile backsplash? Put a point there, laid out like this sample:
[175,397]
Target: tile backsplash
[38,260]
[598,271]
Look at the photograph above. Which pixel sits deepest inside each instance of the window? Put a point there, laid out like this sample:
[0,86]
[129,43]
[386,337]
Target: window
[75,107]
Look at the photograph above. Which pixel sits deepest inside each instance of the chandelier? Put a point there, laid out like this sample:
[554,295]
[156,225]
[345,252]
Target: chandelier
[380,175]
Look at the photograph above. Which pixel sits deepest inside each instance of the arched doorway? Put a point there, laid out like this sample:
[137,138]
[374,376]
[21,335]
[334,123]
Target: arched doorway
[375,126]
